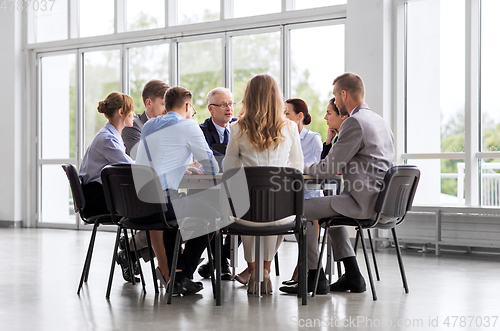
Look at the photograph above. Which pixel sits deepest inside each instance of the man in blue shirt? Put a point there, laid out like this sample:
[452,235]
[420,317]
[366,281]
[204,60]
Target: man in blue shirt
[168,144]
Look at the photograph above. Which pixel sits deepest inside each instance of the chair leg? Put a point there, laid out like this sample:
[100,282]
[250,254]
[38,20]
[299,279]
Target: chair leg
[129,259]
[233,240]
[316,279]
[356,243]
[86,265]
[299,264]
[303,269]
[400,260]
[92,241]
[115,253]
[276,264]
[152,262]
[259,265]
[211,264]
[138,263]
[373,254]
[360,231]
[218,281]
[174,266]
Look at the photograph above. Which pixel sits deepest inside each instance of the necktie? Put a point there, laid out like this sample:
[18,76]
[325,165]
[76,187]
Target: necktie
[226,136]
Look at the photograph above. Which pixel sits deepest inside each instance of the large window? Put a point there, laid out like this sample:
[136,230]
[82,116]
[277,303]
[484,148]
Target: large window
[101,76]
[196,11]
[451,129]
[200,70]
[145,14]
[58,136]
[316,58]
[205,54]
[96,17]
[47,20]
[146,63]
[244,8]
[254,54]
[490,71]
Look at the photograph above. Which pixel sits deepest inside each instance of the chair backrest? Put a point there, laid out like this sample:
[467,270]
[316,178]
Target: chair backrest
[76,187]
[398,191]
[273,192]
[125,198]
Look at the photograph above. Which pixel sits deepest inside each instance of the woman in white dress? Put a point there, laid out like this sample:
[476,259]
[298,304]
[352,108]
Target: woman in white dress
[262,136]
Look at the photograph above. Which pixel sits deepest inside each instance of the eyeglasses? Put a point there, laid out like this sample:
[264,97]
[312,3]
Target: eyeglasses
[194,110]
[224,105]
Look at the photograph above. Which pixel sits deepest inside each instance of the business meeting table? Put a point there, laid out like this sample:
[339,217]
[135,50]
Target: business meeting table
[202,182]
[208,181]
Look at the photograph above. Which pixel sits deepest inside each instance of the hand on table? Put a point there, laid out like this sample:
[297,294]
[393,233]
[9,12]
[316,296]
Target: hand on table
[193,171]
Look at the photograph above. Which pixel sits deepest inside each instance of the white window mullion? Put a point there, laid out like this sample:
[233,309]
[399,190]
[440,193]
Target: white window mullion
[399,112]
[227,65]
[74,19]
[174,63]
[226,9]
[285,62]
[171,13]
[472,59]
[80,108]
[287,5]
[125,70]
[120,16]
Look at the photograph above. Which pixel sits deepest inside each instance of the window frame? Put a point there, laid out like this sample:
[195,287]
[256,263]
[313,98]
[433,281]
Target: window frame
[472,154]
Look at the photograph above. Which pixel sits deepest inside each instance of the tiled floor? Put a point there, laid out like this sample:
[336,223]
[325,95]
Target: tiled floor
[41,269]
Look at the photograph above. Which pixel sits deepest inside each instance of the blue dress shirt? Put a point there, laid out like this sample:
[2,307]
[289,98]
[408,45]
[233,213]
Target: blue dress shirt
[168,144]
[220,131]
[312,146]
[106,148]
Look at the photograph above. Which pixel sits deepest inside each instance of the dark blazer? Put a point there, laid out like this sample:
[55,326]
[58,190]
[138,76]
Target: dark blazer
[213,140]
[132,135]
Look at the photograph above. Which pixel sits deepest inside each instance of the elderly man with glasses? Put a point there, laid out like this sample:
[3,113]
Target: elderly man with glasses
[216,130]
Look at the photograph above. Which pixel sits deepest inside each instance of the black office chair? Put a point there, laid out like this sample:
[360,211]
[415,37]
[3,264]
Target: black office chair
[142,209]
[273,194]
[393,202]
[79,205]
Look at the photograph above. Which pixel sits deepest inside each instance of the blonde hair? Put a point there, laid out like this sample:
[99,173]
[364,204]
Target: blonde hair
[262,114]
[113,102]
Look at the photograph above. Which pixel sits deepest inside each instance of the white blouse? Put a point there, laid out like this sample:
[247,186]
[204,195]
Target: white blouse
[240,152]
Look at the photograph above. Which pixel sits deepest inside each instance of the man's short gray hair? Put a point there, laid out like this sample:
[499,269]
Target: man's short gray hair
[217,90]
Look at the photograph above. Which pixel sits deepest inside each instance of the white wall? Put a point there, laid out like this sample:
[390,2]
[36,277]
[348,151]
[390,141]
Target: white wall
[368,30]
[12,113]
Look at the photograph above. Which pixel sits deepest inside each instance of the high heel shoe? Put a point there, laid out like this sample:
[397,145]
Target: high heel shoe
[252,284]
[243,277]
[159,276]
[266,286]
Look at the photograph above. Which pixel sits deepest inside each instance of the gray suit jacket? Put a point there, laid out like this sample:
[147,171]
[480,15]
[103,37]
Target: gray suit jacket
[132,135]
[364,152]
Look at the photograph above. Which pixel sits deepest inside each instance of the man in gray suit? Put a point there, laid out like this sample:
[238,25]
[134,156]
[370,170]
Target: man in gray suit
[363,154]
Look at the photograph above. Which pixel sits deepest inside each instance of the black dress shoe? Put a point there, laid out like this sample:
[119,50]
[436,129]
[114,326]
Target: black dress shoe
[204,270]
[121,259]
[294,289]
[184,285]
[289,282]
[225,271]
[344,284]
[121,243]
